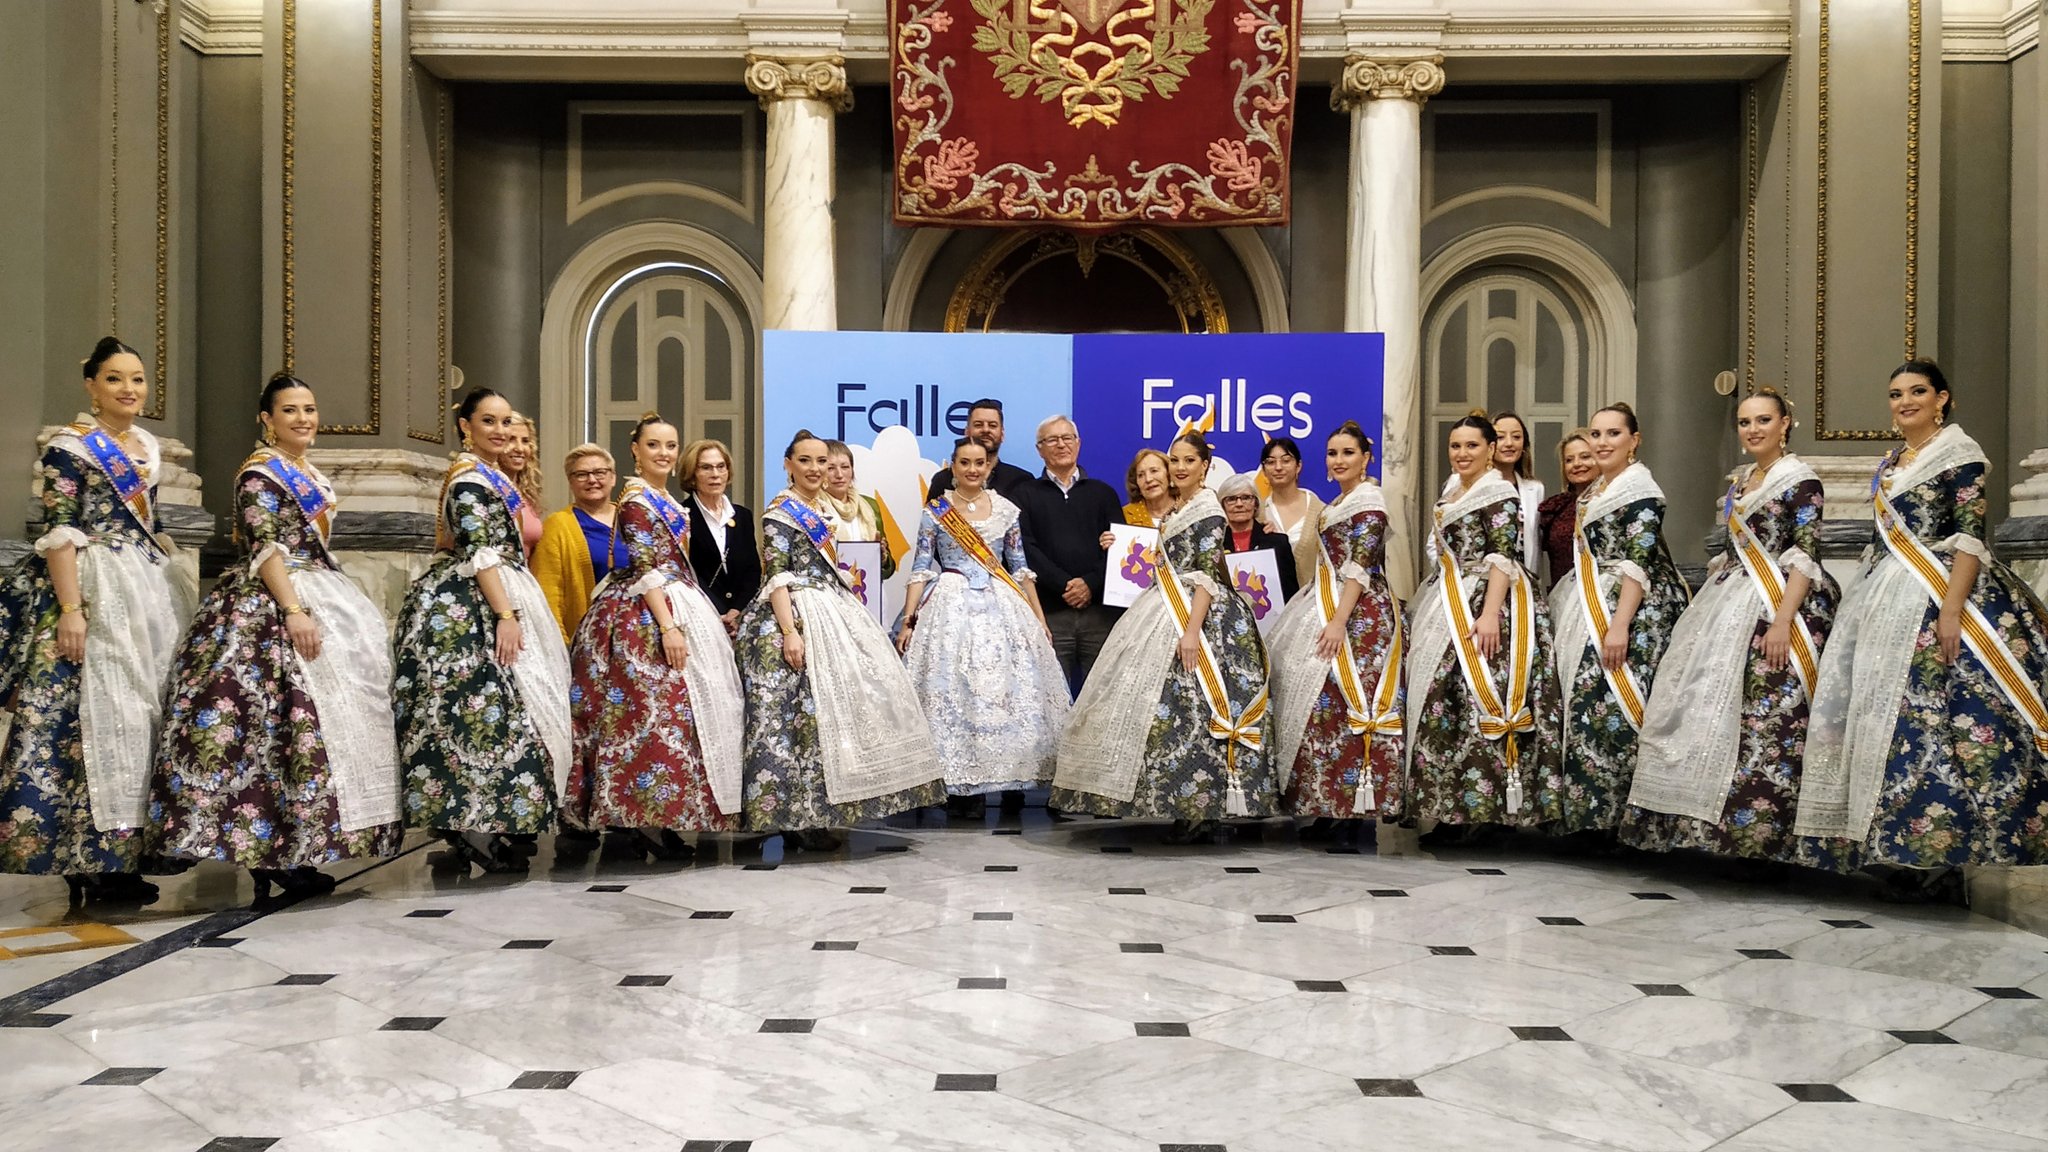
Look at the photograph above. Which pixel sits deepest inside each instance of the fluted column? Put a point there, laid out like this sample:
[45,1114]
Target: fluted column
[801,95]
[1383,266]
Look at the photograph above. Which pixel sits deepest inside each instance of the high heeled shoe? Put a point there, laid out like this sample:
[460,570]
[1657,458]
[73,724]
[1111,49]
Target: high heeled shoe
[294,884]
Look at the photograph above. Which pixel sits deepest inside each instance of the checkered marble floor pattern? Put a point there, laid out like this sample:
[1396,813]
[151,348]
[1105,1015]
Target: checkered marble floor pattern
[1029,986]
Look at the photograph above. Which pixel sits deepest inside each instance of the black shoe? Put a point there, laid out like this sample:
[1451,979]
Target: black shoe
[966,807]
[1013,800]
[817,840]
[110,888]
[1319,830]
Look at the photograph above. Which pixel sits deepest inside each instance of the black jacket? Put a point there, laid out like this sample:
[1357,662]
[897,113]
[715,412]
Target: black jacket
[1063,533]
[1006,479]
[1277,543]
[730,580]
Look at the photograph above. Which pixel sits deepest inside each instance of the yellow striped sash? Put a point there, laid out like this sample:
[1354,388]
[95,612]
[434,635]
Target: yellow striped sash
[1622,680]
[1378,717]
[1241,730]
[1499,718]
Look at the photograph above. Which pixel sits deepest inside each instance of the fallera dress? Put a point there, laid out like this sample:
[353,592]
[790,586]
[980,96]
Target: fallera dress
[984,668]
[844,740]
[1620,533]
[74,767]
[656,746]
[1910,761]
[269,760]
[1338,722]
[1725,735]
[1147,737]
[484,747]
[1467,712]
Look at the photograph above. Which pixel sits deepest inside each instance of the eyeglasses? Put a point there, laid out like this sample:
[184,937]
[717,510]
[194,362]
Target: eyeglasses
[589,474]
[1062,438]
[1240,496]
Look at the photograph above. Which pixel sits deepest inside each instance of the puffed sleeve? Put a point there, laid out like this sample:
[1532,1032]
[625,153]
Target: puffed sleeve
[1972,512]
[477,527]
[260,514]
[637,526]
[1642,538]
[1503,523]
[924,561]
[778,542]
[1808,503]
[1197,554]
[61,481]
[1013,551]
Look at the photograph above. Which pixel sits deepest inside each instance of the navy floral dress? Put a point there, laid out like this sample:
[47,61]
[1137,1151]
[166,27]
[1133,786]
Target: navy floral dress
[1962,781]
[1626,535]
[242,769]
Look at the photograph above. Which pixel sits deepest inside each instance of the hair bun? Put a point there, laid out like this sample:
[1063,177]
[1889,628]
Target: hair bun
[1479,413]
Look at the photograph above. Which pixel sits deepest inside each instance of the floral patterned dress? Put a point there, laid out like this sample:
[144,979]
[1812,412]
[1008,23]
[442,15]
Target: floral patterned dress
[1720,715]
[1139,742]
[1312,713]
[985,670]
[1910,761]
[244,770]
[1456,775]
[480,743]
[852,681]
[1623,523]
[50,821]
[645,731]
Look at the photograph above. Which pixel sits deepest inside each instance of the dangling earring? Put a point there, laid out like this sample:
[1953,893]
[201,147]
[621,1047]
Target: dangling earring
[269,436]
[466,445]
[1785,439]
[95,406]
[1895,428]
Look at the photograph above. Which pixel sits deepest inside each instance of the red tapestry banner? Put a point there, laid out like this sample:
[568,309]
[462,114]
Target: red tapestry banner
[1093,113]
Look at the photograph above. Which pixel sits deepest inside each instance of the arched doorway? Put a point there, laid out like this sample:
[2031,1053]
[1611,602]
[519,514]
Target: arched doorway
[1503,338]
[1057,281]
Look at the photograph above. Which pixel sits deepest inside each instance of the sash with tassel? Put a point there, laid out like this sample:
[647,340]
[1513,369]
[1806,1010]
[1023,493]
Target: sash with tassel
[1240,731]
[1622,681]
[1499,718]
[1379,716]
[963,532]
[1983,640]
[1769,583]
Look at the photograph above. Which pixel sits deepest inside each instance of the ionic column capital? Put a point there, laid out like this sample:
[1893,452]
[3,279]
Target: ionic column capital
[821,78]
[1377,78]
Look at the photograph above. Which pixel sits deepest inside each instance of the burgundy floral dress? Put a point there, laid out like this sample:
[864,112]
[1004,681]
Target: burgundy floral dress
[243,772]
[641,730]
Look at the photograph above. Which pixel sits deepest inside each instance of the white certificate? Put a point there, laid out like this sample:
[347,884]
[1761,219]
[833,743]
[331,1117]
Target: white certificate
[861,561]
[1133,564]
[1256,575]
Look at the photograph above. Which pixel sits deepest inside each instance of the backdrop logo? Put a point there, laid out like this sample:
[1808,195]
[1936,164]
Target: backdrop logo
[1226,408]
[922,409]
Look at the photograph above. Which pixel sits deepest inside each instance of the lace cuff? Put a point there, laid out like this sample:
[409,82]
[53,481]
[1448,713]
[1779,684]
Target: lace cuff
[779,580]
[1023,574]
[1633,571]
[1796,560]
[1496,560]
[1964,542]
[1354,572]
[485,559]
[1202,580]
[647,583]
[263,555]
[59,536]
[1720,563]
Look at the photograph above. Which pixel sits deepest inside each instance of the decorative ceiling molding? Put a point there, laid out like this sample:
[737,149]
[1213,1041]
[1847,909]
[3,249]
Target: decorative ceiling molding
[1992,39]
[222,27]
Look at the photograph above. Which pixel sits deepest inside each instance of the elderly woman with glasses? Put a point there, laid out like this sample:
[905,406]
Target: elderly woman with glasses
[1240,499]
[577,545]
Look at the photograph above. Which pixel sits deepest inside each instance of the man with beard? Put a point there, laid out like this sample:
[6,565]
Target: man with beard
[985,426]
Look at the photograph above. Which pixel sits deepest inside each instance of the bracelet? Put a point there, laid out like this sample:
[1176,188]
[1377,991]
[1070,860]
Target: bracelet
[64,609]
[510,614]
[296,610]
[673,627]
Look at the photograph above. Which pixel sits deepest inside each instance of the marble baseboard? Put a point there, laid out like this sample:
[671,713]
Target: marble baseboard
[2018,896]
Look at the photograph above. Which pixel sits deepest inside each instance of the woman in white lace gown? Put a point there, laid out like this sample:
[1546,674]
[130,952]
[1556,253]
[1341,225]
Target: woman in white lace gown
[1174,722]
[975,642]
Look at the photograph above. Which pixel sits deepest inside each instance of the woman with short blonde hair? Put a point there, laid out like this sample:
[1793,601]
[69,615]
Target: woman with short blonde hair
[578,545]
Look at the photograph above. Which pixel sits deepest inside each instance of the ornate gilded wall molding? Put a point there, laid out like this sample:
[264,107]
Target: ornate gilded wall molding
[375,423]
[439,433]
[288,44]
[1912,177]
[158,406]
[820,78]
[1750,150]
[1370,78]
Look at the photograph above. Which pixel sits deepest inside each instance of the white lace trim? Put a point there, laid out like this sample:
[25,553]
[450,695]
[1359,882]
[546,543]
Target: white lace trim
[351,688]
[653,579]
[1202,580]
[1964,542]
[263,555]
[784,579]
[1356,573]
[1633,484]
[482,560]
[1367,497]
[1631,570]
[1491,489]
[1950,448]
[1795,559]
[1788,473]
[59,536]
[1203,505]
[1496,560]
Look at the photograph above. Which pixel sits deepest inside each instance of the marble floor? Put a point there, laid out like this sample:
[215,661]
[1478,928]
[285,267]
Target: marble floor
[1025,984]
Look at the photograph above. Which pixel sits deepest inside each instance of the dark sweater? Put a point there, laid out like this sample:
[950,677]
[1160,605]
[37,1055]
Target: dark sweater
[1006,479]
[1063,533]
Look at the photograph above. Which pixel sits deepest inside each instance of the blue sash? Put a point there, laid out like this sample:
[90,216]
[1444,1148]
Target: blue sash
[672,514]
[312,501]
[503,486]
[813,524]
[120,469]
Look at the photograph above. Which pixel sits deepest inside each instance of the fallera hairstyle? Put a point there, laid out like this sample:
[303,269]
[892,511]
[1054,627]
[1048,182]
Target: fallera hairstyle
[967,442]
[647,420]
[802,434]
[1927,368]
[693,454]
[475,396]
[1523,467]
[586,449]
[1628,415]
[1196,441]
[108,348]
[1350,428]
[267,402]
[1131,476]
[1767,392]
[1478,422]
[1280,444]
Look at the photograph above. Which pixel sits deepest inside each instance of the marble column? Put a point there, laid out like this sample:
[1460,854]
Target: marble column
[801,95]
[2022,541]
[1383,267]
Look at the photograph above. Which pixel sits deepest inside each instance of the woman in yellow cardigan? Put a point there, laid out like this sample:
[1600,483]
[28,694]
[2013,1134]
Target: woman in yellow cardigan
[577,545]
